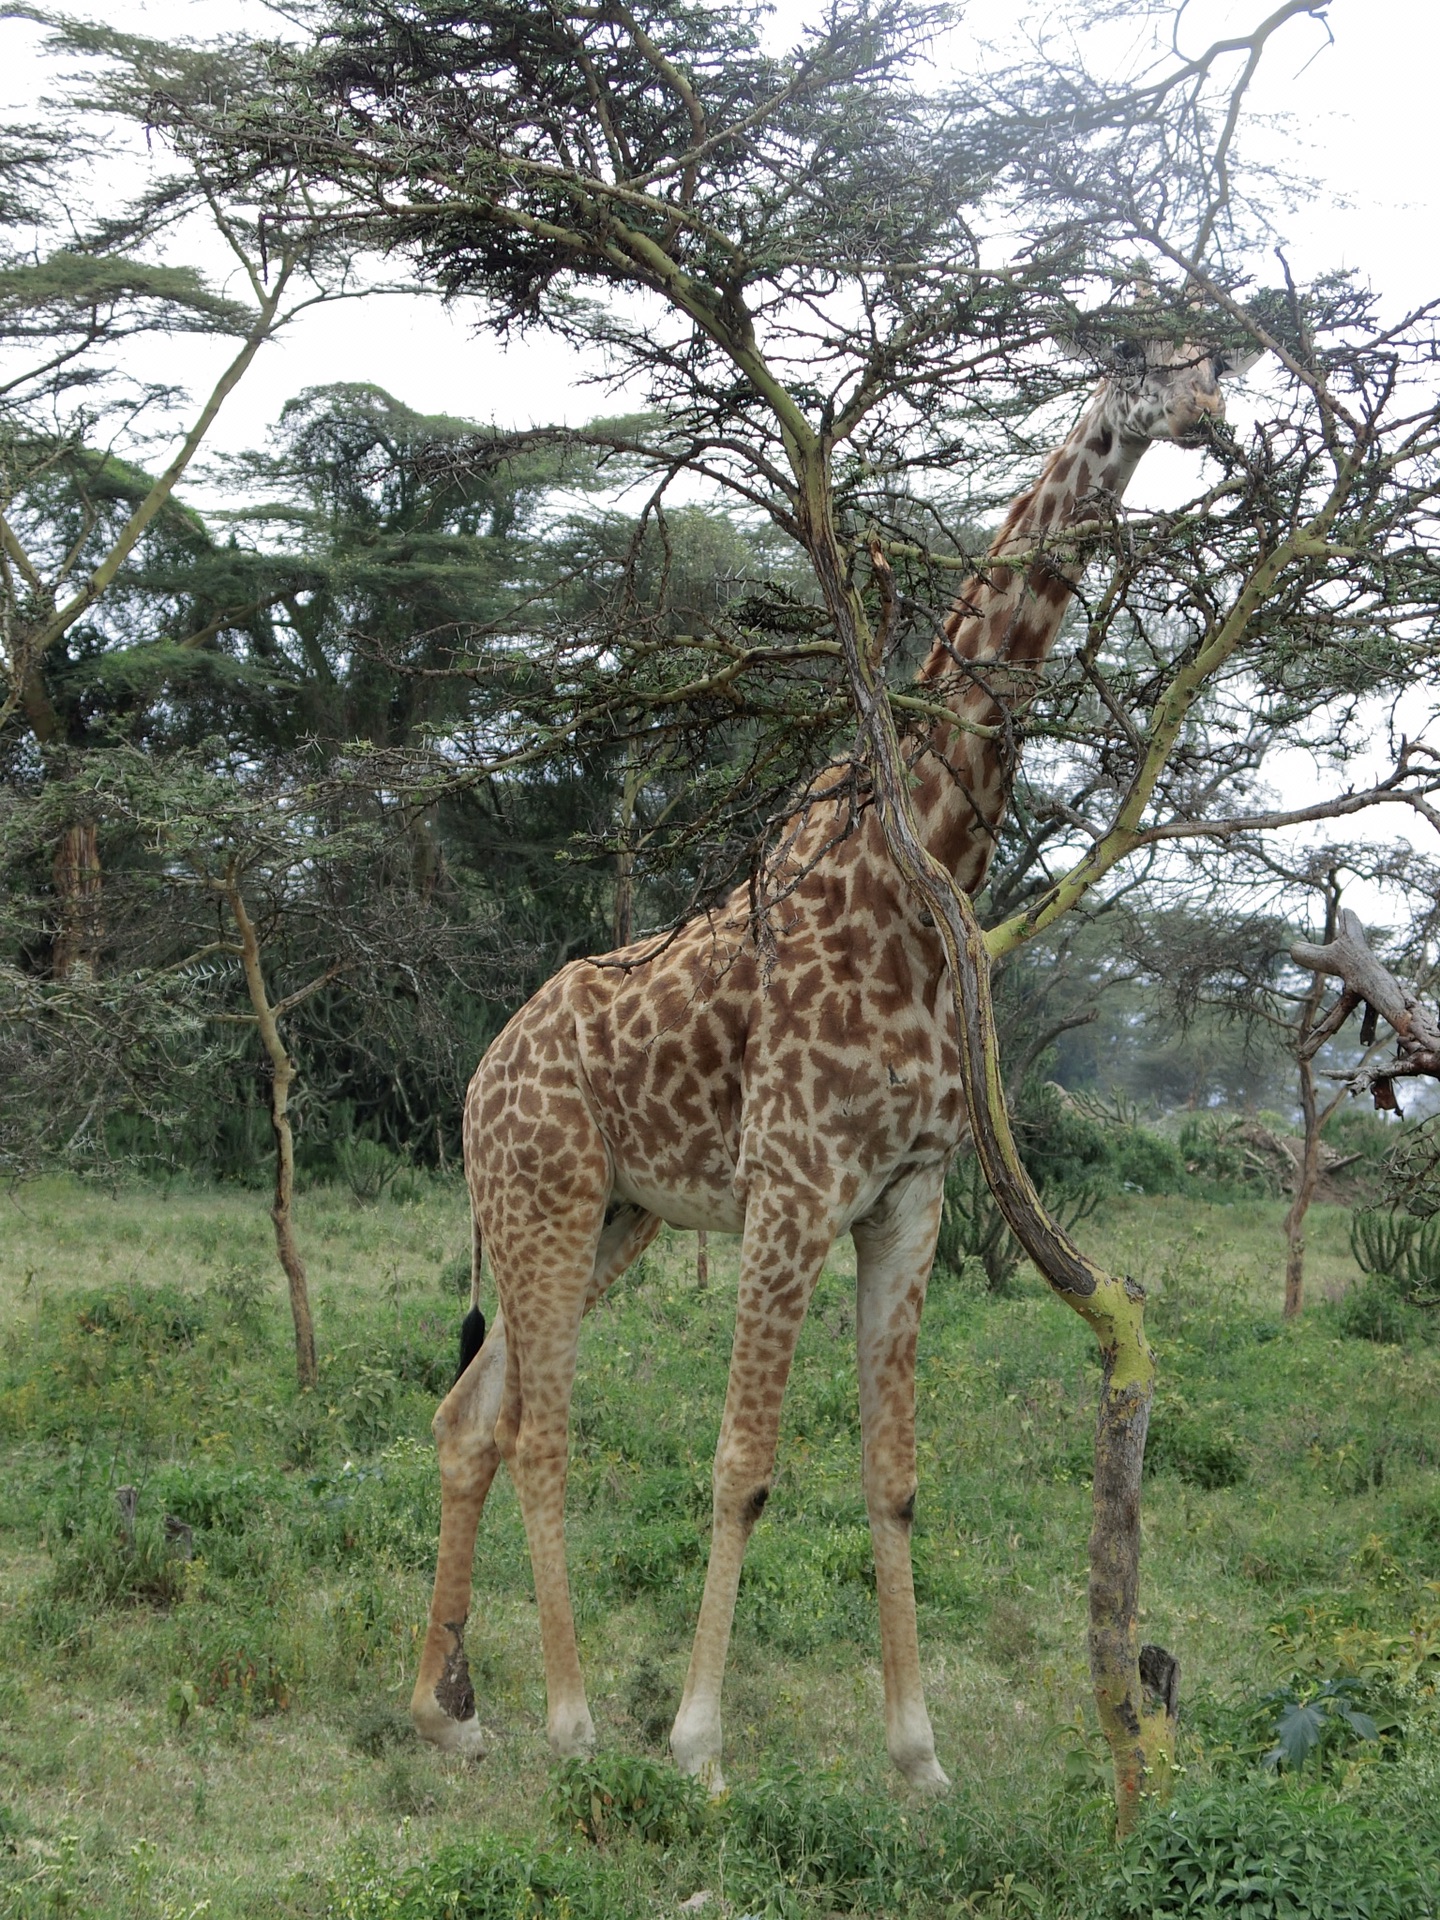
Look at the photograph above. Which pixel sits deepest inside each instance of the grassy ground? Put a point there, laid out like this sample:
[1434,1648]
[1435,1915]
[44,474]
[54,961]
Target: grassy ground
[224,1734]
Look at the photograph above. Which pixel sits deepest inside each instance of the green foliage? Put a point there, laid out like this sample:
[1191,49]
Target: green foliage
[1192,1446]
[1267,1855]
[616,1794]
[1077,1145]
[1399,1256]
[1324,1721]
[808,1584]
[1377,1310]
[101,1562]
[366,1167]
[973,1229]
[490,1879]
[657,1555]
[1078,1153]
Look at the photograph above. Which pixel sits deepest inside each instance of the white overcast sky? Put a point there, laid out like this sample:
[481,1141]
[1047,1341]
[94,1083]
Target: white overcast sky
[1360,117]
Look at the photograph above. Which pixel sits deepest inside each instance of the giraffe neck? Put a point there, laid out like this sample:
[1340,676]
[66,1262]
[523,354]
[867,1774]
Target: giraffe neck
[997,638]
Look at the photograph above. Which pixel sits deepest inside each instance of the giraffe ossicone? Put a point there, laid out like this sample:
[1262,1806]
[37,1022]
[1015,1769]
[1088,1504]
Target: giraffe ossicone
[790,1097]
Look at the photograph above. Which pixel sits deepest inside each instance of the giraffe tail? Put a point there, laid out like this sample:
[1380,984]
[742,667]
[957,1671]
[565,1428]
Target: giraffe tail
[472,1327]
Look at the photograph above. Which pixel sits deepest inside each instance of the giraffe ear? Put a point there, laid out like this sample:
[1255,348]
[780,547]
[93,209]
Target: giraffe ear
[1233,363]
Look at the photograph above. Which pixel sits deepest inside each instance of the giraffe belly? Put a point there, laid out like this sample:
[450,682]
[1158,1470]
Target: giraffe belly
[693,1205]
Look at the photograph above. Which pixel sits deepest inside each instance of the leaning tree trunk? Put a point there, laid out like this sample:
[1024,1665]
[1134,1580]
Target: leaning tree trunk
[282,1074]
[1135,1687]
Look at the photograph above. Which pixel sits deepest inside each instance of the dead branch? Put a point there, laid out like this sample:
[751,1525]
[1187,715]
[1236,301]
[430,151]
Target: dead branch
[1366,982]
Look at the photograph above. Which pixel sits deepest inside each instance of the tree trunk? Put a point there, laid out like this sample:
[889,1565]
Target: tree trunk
[1306,1176]
[1308,1171]
[76,871]
[624,896]
[624,916]
[282,1074]
[702,1258]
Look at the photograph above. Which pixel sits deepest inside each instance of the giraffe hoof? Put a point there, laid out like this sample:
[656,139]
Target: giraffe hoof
[465,1738]
[924,1774]
[573,1740]
[702,1767]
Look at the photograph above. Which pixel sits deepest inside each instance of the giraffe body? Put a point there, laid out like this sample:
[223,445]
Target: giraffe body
[792,1081]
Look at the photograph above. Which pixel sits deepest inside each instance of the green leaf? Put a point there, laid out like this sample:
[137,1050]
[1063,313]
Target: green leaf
[1298,1731]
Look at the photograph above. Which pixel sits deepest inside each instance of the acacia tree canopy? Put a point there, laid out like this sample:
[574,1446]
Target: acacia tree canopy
[795,255]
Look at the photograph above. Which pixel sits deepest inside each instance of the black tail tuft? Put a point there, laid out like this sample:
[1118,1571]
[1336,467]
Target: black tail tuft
[472,1337]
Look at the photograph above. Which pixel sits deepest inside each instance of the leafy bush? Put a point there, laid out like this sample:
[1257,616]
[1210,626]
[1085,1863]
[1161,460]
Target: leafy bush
[1075,1143]
[617,1793]
[366,1166]
[1227,1150]
[486,1879]
[1193,1448]
[102,1561]
[1264,1854]
[1377,1310]
[1325,1721]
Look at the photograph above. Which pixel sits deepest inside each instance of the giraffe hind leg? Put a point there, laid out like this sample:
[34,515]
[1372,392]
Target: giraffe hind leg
[442,1706]
[534,1434]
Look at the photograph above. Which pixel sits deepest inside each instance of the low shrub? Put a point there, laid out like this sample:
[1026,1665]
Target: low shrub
[1193,1448]
[656,1555]
[618,1793]
[103,1560]
[805,1585]
[797,1846]
[1378,1309]
[487,1879]
[1267,1854]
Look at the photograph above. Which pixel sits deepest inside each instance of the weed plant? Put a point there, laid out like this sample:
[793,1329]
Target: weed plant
[229,1728]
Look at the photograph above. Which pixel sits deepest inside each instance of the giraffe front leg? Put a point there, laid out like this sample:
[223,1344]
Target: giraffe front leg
[442,1706]
[780,1262]
[894,1250]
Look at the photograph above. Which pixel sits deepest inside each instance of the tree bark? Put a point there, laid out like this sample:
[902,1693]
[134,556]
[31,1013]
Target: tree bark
[624,917]
[1306,1175]
[702,1259]
[282,1075]
[1308,1171]
[75,954]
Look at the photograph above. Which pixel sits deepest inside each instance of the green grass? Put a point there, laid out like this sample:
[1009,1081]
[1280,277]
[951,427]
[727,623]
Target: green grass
[229,1729]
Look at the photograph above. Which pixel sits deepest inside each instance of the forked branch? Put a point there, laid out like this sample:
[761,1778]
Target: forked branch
[1366,982]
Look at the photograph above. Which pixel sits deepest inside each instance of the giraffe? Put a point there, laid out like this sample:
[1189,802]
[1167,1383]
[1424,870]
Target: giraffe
[790,1082]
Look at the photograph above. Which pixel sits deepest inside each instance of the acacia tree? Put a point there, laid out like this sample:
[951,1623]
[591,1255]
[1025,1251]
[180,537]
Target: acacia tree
[787,251]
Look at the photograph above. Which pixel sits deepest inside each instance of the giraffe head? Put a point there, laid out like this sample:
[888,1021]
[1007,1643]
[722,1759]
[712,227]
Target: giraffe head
[1164,390]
